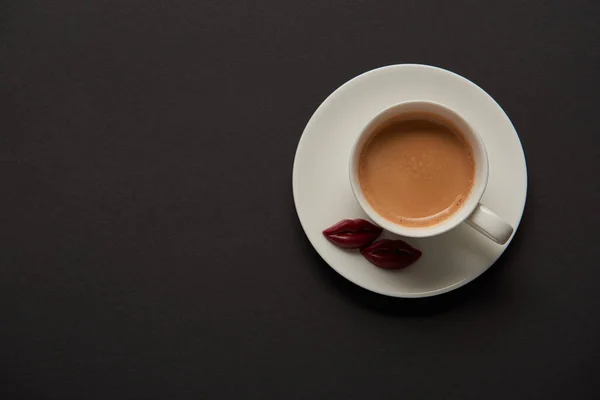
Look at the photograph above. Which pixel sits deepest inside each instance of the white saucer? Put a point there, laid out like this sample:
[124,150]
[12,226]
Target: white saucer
[323,195]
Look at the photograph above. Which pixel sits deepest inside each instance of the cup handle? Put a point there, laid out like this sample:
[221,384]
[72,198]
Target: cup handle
[490,224]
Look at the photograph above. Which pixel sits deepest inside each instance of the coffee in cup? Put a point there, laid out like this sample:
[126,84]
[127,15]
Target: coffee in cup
[416,169]
[419,169]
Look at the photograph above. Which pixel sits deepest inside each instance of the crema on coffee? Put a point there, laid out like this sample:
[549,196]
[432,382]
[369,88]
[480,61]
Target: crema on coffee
[417,170]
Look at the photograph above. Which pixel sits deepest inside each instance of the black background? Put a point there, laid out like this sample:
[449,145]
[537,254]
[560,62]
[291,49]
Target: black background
[149,246]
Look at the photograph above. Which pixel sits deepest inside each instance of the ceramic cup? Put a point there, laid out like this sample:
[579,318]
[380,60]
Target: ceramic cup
[472,211]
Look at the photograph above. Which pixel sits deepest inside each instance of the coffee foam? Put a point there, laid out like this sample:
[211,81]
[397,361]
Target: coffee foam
[416,170]
[432,219]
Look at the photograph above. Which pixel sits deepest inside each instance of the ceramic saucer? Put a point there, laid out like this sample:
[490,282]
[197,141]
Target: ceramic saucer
[323,196]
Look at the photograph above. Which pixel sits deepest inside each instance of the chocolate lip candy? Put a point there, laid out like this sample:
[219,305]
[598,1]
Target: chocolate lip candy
[391,254]
[352,233]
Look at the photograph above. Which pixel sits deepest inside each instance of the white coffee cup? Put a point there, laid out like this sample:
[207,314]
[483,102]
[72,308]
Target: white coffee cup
[472,211]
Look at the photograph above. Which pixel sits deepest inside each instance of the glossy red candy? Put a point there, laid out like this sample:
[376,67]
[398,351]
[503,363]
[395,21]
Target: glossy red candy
[391,254]
[352,233]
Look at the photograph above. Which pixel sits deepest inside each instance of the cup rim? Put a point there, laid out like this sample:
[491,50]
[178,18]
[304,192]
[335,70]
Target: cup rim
[459,216]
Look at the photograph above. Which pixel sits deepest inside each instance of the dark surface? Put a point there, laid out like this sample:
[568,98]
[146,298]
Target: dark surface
[149,246]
